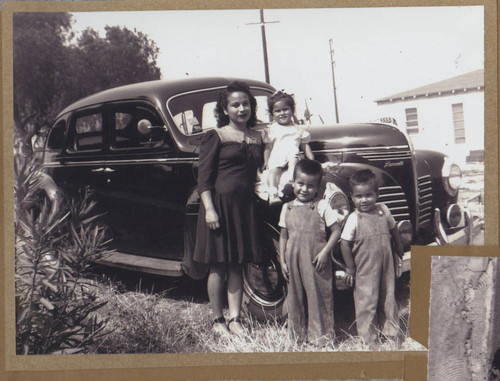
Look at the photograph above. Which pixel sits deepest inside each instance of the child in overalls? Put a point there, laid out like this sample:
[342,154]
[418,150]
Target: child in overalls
[367,252]
[305,256]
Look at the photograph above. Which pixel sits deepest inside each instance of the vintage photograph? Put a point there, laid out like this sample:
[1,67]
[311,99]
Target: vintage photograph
[239,181]
[464,328]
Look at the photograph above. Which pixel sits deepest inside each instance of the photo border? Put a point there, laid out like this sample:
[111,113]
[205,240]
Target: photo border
[421,276]
[269,365]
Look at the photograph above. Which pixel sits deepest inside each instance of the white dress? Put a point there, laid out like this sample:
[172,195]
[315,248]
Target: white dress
[287,140]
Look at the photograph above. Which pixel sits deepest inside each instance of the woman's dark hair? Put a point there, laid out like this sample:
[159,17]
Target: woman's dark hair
[362,177]
[280,95]
[309,167]
[221,106]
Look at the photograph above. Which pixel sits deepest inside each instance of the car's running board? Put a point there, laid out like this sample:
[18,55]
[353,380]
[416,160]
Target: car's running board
[143,264]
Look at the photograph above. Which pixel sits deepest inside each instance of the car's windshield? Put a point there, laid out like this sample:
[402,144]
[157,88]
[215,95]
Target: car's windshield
[193,112]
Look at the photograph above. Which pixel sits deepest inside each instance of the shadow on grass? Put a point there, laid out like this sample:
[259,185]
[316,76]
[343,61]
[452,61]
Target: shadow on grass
[177,288]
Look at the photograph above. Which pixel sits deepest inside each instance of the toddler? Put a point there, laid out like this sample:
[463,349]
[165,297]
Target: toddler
[367,252]
[305,255]
[285,140]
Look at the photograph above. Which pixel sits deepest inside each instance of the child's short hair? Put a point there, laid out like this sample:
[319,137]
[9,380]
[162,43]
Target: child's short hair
[363,176]
[221,106]
[280,95]
[309,167]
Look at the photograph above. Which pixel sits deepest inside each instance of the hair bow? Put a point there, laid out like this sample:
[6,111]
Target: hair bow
[282,91]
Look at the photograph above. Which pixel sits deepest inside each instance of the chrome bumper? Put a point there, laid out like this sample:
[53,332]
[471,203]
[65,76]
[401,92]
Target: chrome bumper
[465,236]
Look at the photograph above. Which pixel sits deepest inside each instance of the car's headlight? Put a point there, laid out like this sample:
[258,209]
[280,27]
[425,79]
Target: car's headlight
[452,177]
[453,214]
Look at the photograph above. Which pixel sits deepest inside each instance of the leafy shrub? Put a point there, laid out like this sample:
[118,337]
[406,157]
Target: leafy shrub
[54,250]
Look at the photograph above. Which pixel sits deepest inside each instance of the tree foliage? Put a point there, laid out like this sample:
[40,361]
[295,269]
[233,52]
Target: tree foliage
[129,56]
[52,68]
[40,43]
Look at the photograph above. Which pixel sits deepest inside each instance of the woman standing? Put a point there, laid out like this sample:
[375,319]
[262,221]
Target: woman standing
[227,233]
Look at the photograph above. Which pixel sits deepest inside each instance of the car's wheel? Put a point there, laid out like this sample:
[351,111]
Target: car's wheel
[263,285]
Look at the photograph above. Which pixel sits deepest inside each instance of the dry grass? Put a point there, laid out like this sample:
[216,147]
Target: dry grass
[147,322]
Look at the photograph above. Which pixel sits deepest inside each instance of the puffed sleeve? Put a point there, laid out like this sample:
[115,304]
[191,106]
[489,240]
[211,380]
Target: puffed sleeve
[306,137]
[390,219]
[271,129]
[266,137]
[208,161]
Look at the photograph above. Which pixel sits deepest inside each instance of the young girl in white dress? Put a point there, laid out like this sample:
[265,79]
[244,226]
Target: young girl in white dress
[286,141]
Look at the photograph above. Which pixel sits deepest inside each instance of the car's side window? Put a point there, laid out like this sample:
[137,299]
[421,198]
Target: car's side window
[55,140]
[136,126]
[87,132]
[188,123]
[194,112]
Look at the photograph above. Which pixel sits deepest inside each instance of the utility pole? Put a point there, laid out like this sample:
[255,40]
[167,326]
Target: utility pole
[333,76]
[262,24]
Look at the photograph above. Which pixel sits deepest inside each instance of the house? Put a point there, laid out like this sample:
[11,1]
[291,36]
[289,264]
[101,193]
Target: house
[447,115]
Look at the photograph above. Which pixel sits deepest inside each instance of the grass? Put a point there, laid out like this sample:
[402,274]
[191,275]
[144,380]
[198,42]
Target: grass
[161,322]
[149,323]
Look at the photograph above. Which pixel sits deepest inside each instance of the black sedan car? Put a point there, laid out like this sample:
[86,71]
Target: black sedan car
[136,148]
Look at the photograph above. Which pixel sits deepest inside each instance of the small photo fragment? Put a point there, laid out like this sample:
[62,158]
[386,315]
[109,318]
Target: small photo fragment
[464,327]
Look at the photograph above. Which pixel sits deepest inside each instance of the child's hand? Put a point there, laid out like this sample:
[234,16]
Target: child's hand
[350,275]
[284,270]
[321,260]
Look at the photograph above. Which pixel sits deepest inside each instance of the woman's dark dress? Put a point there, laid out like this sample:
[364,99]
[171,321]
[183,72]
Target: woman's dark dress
[229,169]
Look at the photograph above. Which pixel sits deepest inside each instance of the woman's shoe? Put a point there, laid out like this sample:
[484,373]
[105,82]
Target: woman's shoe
[234,326]
[219,326]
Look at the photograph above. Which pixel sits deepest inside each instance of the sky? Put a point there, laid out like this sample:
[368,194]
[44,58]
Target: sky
[377,51]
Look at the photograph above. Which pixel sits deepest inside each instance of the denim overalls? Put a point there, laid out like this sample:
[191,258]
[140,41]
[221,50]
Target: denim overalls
[374,298]
[310,294]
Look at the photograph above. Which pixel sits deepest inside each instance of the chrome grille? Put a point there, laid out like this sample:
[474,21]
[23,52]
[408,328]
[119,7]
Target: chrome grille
[394,198]
[425,199]
[381,155]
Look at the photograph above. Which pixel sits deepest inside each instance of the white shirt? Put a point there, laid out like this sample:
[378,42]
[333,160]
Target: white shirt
[349,231]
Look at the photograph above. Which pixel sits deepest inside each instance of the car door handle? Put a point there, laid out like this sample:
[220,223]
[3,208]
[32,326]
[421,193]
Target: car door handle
[108,169]
[97,170]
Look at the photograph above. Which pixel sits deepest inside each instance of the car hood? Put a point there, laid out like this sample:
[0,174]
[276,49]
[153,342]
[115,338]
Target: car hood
[367,135]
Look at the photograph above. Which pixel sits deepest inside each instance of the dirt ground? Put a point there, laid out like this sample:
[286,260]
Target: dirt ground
[463,318]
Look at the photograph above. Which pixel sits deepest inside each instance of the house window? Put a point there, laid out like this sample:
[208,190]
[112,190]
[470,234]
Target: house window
[458,122]
[411,121]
